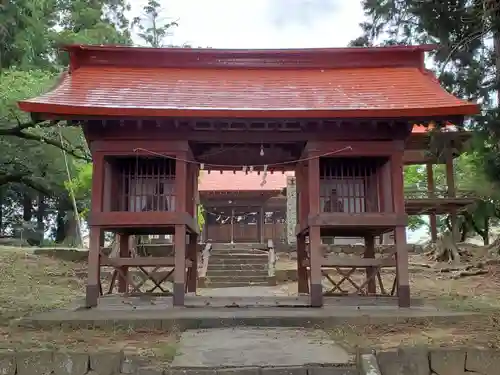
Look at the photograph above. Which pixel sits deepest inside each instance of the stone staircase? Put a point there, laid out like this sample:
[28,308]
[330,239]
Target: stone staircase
[233,265]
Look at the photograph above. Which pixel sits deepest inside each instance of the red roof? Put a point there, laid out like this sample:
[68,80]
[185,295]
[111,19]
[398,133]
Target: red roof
[348,82]
[240,181]
[421,129]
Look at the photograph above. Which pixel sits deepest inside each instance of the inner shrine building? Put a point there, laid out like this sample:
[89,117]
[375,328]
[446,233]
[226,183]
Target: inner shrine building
[338,118]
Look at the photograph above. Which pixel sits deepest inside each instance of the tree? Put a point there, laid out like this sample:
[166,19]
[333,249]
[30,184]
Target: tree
[32,168]
[466,64]
[152,28]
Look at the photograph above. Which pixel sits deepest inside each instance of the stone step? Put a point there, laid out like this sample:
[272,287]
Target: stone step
[234,284]
[262,261]
[236,266]
[236,273]
[239,279]
[242,257]
[239,251]
[228,246]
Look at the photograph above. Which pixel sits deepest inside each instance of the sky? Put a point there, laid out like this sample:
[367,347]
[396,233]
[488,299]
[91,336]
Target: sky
[260,23]
[263,24]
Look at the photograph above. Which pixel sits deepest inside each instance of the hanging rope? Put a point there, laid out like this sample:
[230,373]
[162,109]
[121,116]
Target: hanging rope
[71,191]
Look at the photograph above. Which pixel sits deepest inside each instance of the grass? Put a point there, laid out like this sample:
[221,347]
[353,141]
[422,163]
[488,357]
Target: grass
[478,294]
[477,331]
[472,293]
[32,284]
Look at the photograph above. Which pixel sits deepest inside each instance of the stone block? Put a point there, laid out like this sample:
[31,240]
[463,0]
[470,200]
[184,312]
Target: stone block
[150,370]
[190,371]
[485,362]
[71,363]
[332,370]
[7,363]
[35,362]
[106,363]
[369,365]
[284,371]
[404,361]
[239,371]
[448,361]
[129,365]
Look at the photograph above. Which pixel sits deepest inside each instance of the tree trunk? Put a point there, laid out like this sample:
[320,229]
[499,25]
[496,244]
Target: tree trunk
[463,231]
[445,249]
[40,214]
[27,208]
[1,212]
[71,237]
[60,230]
[486,232]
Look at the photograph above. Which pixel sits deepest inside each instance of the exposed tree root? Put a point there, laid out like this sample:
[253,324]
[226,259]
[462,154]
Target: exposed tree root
[476,272]
[494,247]
[444,249]
[115,246]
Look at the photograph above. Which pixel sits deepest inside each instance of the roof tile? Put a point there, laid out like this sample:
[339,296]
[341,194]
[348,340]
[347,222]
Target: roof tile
[354,92]
[240,181]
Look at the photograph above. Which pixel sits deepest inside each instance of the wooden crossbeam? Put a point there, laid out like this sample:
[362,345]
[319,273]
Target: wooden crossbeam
[346,267]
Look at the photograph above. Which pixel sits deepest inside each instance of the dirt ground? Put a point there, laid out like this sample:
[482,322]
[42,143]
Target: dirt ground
[32,283]
[428,281]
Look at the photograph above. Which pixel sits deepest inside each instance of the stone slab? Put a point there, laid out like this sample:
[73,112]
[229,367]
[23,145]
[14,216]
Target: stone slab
[448,361]
[486,361]
[404,361]
[246,347]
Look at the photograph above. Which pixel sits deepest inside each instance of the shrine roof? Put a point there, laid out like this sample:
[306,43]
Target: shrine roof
[241,181]
[338,82]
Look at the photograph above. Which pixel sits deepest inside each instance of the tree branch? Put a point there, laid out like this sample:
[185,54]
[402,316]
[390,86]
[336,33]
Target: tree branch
[25,179]
[18,131]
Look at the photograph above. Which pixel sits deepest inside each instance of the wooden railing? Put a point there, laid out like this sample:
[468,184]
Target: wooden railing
[415,193]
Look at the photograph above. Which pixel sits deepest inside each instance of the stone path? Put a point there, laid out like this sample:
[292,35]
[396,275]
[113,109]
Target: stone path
[238,347]
[253,291]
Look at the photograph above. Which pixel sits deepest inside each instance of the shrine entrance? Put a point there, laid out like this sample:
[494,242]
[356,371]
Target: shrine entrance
[238,224]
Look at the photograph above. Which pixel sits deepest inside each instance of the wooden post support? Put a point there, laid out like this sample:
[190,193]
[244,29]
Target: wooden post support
[316,288]
[181,181]
[302,274]
[402,273]
[193,255]
[95,234]
[180,264]
[370,253]
[400,232]
[431,190]
[124,253]
[93,281]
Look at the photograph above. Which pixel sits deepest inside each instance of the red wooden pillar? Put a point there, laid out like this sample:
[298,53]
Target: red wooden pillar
[193,255]
[400,232]
[370,253]
[386,200]
[95,234]
[180,231]
[314,235]
[431,190]
[192,172]
[302,274]
[124,253]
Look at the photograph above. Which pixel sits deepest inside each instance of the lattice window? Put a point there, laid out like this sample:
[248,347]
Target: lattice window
[146,184]
[349,185]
